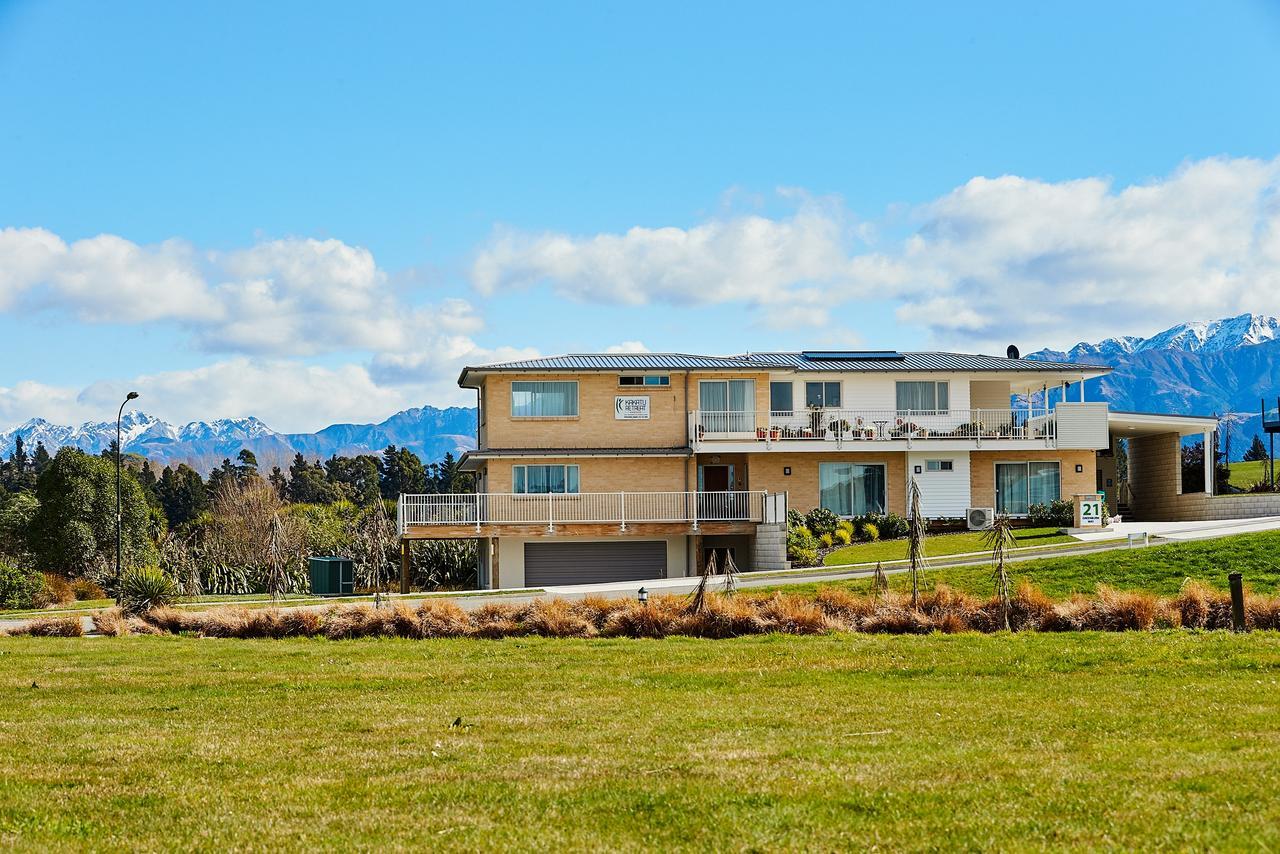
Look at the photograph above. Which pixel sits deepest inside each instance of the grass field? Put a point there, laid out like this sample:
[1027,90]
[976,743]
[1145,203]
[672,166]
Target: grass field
[1245,475]
[939,546]
[1114,741]
[1158,569]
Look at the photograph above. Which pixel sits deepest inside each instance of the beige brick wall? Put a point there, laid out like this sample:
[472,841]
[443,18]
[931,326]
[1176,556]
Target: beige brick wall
[982,471]
[595,425]
[765,472]
[622,474]
[1155,476]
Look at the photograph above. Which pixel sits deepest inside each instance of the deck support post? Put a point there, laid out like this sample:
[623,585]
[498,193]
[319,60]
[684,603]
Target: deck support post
[404,566]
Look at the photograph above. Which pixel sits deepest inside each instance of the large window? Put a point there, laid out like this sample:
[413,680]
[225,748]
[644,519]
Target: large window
[849,489]
[727,406]
[924,396]
[1019,485]
[822,395]
[544,399]
[781,397]
[539,480]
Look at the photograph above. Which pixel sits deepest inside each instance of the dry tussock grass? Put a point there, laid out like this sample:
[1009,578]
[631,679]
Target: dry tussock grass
[50,627]
[942,609]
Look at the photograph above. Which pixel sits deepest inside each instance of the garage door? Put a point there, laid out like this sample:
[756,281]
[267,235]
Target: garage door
[552,564]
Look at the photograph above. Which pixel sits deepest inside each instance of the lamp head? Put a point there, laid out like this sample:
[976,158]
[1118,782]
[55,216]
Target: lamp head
[133,395]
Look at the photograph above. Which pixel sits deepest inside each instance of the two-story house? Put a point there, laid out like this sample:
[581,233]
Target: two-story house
[629,466]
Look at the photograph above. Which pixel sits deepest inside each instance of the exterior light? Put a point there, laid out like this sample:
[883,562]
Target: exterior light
[133,395]
[643,596]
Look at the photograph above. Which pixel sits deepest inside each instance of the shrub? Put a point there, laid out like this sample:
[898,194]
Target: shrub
[795,519]
[84,590]
[827,540]
[841,536]
[891,526]
[145,588]
[1202,607]
[658,618]
[793,615]
[557,618]
[20,588]
[821,521]
[802,547]
[442,619]
[57,590]
[869,532]
[1055,514]
[842,607]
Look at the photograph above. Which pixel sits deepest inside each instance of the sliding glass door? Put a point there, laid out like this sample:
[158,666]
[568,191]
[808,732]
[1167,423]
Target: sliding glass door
[727,406]
[1020,485]
[849,489]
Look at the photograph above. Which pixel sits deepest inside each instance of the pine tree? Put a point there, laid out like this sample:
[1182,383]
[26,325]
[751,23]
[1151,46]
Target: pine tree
[1257,451]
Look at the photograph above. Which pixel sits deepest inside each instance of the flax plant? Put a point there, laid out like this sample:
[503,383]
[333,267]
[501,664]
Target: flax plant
[999,538]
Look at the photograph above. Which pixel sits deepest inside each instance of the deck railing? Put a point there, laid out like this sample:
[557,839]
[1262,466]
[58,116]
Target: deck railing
[872,425]
[552,509]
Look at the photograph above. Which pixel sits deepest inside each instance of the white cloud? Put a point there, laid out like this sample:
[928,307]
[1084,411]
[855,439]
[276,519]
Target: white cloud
[995,260]
[752,259]
[627,347]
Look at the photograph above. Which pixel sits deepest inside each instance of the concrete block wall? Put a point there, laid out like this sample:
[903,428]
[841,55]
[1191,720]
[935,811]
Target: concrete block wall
[770,549]
[1155,477]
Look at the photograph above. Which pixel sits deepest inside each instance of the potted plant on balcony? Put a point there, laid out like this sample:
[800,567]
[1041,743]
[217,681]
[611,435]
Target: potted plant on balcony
[837,429]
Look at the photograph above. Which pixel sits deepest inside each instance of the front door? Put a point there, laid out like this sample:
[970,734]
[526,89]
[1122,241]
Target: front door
[715,479]
[719,500]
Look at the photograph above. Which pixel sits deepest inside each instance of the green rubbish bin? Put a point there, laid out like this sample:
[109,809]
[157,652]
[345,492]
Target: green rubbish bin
[332,576]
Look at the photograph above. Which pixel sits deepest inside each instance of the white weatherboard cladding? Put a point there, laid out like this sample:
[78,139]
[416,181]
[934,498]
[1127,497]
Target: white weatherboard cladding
[943,494]
[1083,426]
[876,391]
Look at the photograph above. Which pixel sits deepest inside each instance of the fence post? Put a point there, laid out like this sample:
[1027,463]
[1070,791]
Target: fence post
[1237,601]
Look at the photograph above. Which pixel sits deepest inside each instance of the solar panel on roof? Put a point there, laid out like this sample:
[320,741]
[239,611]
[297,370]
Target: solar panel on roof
[854,355]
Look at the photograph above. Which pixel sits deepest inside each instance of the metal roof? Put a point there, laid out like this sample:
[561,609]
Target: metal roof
[916,362]
[804,361]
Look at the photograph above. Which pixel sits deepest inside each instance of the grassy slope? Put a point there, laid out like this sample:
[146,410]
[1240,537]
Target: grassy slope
[943,544]
[1159,569]
[1111,741]
[1246,474]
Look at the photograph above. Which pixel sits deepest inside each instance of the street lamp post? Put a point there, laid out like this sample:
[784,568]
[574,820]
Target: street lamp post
[119,454]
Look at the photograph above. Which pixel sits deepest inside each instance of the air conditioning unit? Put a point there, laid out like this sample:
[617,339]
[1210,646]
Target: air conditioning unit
[980,518]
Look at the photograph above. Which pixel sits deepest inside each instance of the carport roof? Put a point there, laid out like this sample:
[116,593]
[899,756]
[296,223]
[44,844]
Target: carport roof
[1124,424]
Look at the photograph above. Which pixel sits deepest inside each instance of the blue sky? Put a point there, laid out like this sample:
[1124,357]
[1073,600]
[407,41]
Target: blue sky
[314,213]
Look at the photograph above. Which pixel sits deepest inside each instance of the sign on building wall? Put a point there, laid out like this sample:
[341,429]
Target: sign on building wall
[631,408]
[1090,511]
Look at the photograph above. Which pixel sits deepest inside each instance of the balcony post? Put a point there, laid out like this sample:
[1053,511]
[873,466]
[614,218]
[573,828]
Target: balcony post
[695,511]
[622,509]
[551,524]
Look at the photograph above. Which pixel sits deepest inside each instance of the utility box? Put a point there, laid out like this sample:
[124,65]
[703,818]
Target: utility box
[332,576]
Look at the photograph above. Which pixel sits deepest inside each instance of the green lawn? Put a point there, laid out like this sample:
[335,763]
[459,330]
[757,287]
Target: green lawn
[1245,475]
[1115,741]
[1158,569]
[938,546]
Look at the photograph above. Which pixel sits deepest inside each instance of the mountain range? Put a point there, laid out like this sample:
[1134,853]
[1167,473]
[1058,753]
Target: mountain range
[427,431]
[1217,367]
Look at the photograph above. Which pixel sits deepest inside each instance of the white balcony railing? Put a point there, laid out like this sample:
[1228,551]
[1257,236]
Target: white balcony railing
[871,425]
[553,509]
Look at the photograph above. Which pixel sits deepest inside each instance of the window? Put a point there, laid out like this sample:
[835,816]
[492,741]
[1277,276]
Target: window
[781,397]
[1019,485]
[544,400]
[539,480]
[727,406]
[939,465]
[849,489]
[645,379]
[924,396]
[822,395]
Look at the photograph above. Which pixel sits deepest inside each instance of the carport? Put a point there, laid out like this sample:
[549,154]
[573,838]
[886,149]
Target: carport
[1152,491]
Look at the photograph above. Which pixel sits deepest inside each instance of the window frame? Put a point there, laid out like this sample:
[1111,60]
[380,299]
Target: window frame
[791,395]
[825,386]
[884,485]
[577,399]
[520,477]
[1026,464]
[659,380]
[944,466]
[936,410]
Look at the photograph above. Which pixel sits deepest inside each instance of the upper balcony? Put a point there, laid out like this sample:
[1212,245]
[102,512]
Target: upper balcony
[826,429]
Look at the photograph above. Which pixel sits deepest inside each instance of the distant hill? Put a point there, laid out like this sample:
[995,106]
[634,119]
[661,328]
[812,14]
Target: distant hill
[1198,368]
[427,431]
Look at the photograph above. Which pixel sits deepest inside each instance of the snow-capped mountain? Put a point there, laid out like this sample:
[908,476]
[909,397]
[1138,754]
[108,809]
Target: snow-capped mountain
[427,431]
[1197,336]
[1201,367]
